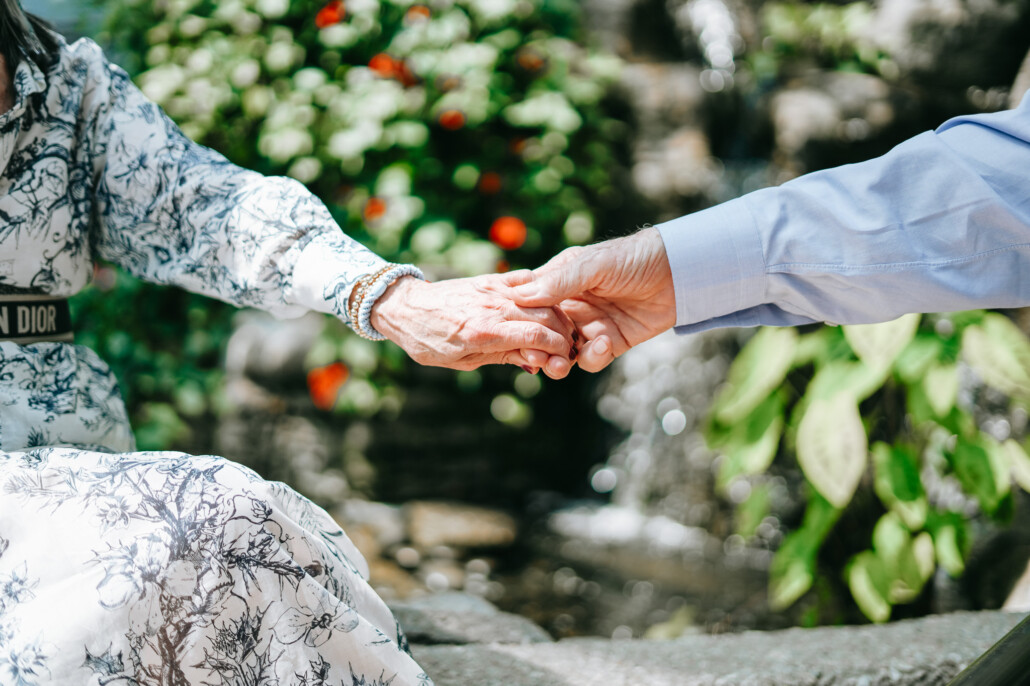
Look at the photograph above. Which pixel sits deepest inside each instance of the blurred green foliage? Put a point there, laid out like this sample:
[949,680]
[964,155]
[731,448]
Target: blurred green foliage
[830,36]
[876,408]
[419,128]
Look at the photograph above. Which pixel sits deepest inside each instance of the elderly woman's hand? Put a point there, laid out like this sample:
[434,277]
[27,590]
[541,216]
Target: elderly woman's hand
[467,323]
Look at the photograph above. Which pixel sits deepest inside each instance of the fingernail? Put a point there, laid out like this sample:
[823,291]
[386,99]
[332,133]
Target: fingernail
[601,347]
[575,336]
[529,370]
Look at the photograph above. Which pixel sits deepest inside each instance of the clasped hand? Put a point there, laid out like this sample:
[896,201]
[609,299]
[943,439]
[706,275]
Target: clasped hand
[586,306]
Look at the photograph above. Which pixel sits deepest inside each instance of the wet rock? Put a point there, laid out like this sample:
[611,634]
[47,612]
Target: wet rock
[433,524]
[440,575]
[460,619]
[391,581]
[385,522]
[657,563]
[659,393]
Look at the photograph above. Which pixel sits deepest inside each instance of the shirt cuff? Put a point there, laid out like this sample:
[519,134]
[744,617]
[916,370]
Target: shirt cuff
[326,271]
[718,265]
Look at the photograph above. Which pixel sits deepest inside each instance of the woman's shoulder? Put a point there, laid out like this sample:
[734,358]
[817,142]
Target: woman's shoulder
[84,52]
[82,68]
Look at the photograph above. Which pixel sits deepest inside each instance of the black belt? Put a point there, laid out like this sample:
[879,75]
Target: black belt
[34,319]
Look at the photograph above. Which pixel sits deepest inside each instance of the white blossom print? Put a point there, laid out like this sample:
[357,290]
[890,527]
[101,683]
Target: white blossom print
[200,565]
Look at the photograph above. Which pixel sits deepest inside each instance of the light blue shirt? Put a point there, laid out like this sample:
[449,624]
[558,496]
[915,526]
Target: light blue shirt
[941,223]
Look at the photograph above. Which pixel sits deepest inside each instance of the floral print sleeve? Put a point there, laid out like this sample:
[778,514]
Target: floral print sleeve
[171,211]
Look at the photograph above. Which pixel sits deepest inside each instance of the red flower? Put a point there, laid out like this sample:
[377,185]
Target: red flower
[530,60]
[324,384]
[508,233]
[375,208]
[416,14]
[332,13]
[448,82]
[405,75]
[383,65]
[387,67]
[452,120]
[490,183]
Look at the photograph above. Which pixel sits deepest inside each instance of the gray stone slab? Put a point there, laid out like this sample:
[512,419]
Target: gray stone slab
[924,651]
[460,618]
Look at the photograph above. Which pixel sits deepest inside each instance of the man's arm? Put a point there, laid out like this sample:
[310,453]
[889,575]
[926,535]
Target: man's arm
[940,223]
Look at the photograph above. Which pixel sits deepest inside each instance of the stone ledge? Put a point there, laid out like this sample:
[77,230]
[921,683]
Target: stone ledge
[930,650]
[460,618]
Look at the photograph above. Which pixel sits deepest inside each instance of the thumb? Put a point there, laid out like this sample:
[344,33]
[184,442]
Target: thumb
[552,283]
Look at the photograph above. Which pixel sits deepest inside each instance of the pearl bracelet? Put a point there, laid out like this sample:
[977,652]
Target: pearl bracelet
[367,291]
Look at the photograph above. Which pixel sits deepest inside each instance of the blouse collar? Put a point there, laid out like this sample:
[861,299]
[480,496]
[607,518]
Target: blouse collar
[28,80]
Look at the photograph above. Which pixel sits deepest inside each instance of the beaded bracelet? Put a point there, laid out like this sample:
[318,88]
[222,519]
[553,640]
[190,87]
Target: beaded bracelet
[367,291]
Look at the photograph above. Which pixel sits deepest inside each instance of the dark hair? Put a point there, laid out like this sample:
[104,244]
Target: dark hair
[24,36]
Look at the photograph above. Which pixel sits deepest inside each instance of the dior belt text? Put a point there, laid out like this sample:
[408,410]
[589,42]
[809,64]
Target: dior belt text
[34,319]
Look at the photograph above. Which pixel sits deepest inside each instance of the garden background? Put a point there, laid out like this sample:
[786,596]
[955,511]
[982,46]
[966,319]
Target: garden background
[712,483]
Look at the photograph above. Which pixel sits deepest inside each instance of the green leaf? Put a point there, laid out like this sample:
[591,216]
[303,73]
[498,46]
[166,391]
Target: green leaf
[857,378]
[793,566]
[918,406]
[1000,354]
[941,386]
[790,577]
[867,580]
[923,551]
[831,447]
[947,545]
[1001,463]
[889,536]
[878,344]
[813,347]
[917,356]
[752,511]
[898,485]
[759,368]
[1019,463]
[896,549]
[751,447]
[982,472]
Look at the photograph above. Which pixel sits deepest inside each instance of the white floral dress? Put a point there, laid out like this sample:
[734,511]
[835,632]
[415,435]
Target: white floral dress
[120,567]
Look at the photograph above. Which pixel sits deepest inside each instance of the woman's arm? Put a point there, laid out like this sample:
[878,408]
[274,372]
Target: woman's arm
[171,211]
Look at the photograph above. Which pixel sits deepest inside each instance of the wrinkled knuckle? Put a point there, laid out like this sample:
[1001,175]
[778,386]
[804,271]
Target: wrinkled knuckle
[543,339]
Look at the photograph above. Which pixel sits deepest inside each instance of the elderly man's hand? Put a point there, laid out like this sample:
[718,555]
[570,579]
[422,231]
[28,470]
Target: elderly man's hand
[618,293]
[467,323]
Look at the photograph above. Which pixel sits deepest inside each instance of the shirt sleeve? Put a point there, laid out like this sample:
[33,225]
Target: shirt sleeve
[173,212]
[941,223]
